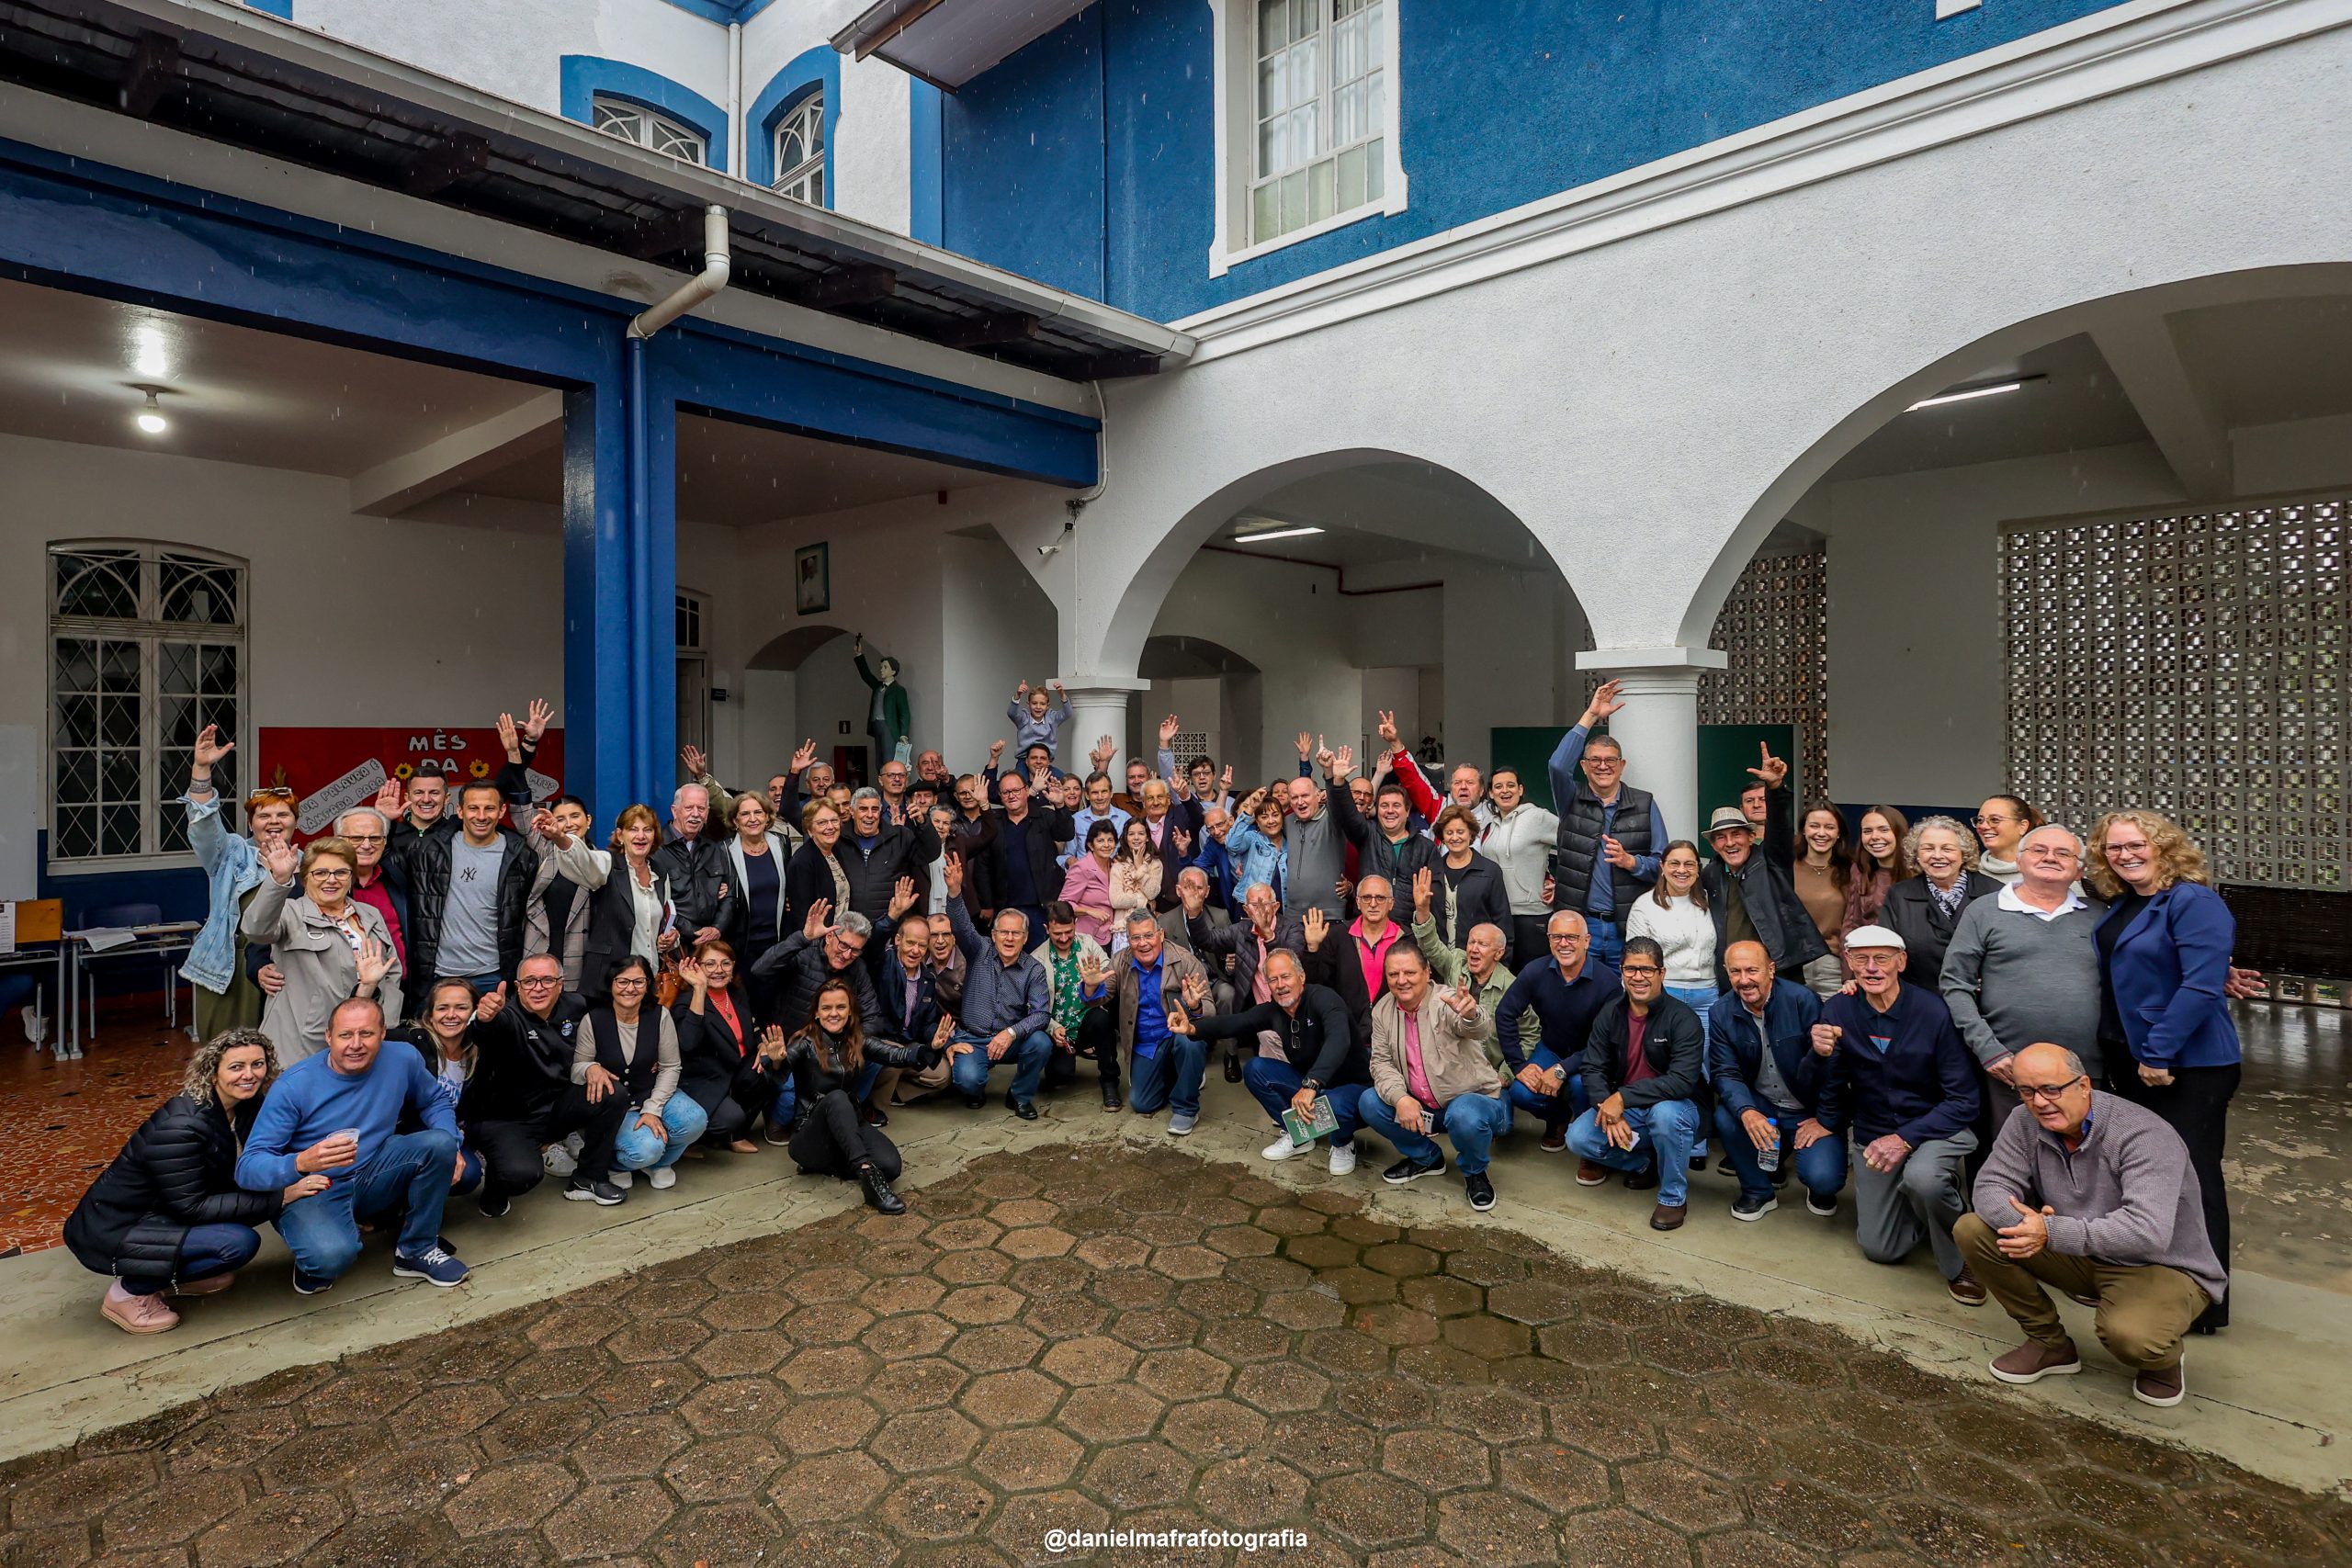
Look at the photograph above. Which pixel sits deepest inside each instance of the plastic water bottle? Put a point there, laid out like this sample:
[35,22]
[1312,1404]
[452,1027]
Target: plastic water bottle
[1768,1159]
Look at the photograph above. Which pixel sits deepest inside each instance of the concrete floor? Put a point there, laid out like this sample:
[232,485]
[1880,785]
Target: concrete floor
[2273,1394]
[1101,1336]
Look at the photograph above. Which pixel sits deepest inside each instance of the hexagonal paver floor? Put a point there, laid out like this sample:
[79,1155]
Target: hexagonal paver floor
[1105,1338]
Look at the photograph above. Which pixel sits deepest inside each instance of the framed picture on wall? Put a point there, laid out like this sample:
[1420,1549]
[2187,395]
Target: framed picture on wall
[812,579]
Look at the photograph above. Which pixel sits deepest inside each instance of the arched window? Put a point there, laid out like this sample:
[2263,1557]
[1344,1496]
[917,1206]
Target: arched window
[147,645]
[648,129]
[801,151]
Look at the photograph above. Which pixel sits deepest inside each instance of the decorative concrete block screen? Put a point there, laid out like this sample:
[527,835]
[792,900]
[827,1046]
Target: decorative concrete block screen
[2195,665]
[1775,626]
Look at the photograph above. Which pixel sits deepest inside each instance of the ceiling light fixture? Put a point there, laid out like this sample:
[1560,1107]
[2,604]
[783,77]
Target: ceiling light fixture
[151,418]
[1286,531]
[1964,394]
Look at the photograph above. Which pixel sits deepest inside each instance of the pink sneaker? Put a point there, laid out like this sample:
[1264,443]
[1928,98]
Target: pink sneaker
[137,1315]
[213,1286]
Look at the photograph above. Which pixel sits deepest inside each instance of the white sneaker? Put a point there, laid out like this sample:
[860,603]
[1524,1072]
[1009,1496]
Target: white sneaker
[624,1179]
[662,1177]
[1281,1148]
[560,1161]
[1343,1158]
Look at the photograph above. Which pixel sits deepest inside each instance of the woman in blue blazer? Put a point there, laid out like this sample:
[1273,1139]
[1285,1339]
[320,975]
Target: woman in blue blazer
[2163,949]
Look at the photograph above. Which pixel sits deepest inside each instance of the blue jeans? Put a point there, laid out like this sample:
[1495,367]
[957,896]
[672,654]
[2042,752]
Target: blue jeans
[1821,1168]
[1552,1109]
[1026,1056]
[206,1251]
[1169,1076]
[637,1148]
[1701,998]
[407,1175]
[1473,1121]
[1608,939]
[1667,1130]
[1273,1083]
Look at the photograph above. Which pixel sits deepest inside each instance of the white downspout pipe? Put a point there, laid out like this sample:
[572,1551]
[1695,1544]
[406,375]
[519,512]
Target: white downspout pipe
[716,265]
[737,137]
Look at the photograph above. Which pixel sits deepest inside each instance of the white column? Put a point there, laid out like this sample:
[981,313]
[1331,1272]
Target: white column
[1658,726]
[1098,706]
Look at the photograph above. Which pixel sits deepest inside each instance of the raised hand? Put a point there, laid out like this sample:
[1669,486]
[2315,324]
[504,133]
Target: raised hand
[903,897]
[818,924]
[1389,731]
[996,753]
[1773,770]
[1020,692]
[375,962]
[1305,745]
[1168,729]
[1179,1021]
[1605,701]
[1324,757]
[696,764]
[209,748]
[544,825]
[1191,896]
[535,721]
[951,871]
[390,798]
[805,758]
[1424,883]
[772,1041]
[1224,783]
[1092,972]
[281,860]
[1104,749]
[1343,761]
[1319,926]
[1184,841]
[510,738]
[1464,1005]
[492,1005]
[1825,1039]
[690,970]
[1196,991]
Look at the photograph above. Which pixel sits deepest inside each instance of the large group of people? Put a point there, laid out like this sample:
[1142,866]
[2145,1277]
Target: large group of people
[2010,1038]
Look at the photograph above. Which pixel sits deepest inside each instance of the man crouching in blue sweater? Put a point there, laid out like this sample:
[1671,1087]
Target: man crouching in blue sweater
[336,1113]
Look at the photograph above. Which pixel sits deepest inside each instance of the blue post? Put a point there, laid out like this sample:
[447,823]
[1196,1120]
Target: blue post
[657,633]
[598,748]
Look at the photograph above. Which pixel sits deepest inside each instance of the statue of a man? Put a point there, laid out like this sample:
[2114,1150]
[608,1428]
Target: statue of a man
[887,720]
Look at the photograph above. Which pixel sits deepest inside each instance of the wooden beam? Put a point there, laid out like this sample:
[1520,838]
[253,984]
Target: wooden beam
[983,331]
[665,236]
[154,66]
[1117,365]
[852,284]
[437,169]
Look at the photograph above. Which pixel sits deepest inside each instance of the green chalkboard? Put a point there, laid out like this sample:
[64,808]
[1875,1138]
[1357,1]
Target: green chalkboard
[1725,754]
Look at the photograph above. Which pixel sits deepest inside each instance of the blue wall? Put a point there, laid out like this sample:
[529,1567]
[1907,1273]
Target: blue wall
[818,70]
[1503,102]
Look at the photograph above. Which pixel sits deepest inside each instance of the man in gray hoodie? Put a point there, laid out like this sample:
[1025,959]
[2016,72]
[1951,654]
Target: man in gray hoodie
[2095,1195]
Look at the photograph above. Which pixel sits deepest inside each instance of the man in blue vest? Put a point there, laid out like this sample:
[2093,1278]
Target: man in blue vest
[1611,835]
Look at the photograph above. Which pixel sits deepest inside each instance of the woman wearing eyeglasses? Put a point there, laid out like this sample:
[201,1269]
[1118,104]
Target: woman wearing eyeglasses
[2165,1027]
[328,946]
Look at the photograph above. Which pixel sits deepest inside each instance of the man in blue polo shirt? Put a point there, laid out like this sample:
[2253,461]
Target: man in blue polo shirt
[1901,1079]
[1564,991]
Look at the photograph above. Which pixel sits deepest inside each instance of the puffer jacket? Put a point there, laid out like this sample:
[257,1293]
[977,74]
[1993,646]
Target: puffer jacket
[799,968]
[177,1170]
[420,868]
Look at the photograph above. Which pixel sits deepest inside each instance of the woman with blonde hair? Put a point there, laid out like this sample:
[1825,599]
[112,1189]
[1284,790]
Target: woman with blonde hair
[2164,1028]
[328,946]
[167,1215]
[630,913]
[1923,909]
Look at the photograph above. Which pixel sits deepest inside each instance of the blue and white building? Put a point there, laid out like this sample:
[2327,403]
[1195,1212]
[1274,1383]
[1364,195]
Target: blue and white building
[1966,385]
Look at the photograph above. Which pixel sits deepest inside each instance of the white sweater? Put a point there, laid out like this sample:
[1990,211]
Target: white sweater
[1686,932]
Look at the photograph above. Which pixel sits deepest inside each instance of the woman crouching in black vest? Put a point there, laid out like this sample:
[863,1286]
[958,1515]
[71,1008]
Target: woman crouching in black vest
[822,1063]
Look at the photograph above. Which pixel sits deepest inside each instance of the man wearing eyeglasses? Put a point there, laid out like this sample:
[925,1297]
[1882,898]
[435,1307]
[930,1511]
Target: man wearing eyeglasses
[367,831]
[521,1097]
[1644,1063]
[2095,1195]
[1901,1080]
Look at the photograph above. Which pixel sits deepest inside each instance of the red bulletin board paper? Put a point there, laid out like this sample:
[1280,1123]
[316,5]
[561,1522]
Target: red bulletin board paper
[332,769]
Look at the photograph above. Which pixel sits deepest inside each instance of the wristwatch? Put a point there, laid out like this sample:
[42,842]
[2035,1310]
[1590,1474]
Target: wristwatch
[1314,1084]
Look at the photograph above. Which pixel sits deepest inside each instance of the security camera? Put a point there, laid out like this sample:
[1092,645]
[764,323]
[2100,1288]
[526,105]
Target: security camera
[1045,552]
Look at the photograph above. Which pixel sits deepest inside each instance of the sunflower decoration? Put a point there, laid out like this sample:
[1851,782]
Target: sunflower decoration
[479,767]
[404,770]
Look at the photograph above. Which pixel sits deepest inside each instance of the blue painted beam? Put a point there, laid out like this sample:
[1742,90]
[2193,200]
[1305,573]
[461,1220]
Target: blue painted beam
[598,738]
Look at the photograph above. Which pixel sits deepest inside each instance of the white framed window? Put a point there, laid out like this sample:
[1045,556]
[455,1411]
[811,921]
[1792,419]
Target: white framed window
[648,129]
[801,151]
[147,645]
[694,671]
[1306,120]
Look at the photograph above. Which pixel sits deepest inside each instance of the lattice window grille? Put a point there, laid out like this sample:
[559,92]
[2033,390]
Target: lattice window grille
[2195,665]
[1774,629]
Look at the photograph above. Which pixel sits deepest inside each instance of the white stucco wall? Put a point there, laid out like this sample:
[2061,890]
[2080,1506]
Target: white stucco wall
[1651,407]
[870,134]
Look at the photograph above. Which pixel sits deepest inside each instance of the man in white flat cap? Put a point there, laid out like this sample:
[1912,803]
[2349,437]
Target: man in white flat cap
[1902,1083]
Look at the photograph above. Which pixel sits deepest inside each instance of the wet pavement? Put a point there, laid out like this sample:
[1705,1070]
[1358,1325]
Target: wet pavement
[1105,1338]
